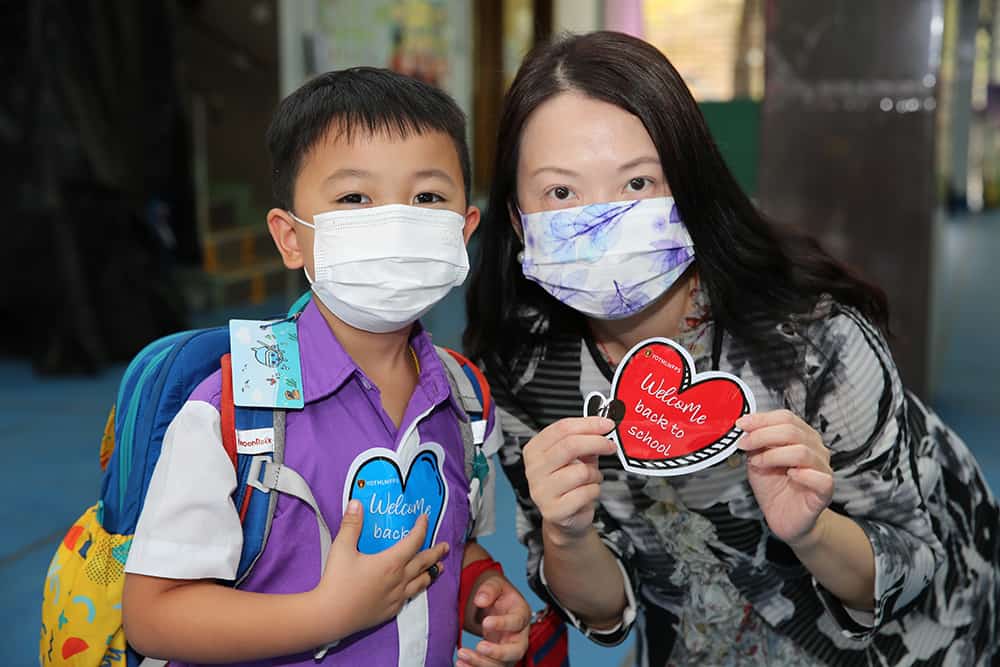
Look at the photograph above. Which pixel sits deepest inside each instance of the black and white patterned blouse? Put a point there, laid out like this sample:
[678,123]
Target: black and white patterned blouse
[710,583]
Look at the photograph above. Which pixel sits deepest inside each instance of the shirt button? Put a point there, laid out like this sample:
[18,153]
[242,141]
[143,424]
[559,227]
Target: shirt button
[366,384]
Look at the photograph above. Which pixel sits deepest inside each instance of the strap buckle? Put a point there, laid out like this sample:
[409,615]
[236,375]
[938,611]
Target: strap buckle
[253,476]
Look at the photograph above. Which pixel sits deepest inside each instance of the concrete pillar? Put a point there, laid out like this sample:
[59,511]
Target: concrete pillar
[847,144]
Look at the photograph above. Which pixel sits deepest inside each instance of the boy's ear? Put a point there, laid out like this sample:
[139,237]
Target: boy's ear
[472,217]
[286,239]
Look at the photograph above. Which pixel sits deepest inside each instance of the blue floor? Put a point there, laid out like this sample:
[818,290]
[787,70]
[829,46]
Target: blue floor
[50,430]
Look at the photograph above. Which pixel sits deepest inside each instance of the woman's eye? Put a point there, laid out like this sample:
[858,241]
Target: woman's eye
[428,198]
[561,193]
[637,184]
[355,198]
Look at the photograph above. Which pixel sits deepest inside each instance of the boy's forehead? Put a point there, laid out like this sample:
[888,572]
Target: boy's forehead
[343,134]
[391,145]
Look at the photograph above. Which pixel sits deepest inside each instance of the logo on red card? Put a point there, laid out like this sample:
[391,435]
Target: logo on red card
[669,419]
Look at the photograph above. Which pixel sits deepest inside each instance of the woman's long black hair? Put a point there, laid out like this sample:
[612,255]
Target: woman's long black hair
[749,266]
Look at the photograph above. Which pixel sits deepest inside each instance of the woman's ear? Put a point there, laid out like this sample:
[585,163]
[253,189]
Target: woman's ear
[472,218]
[284,232]
[515,220]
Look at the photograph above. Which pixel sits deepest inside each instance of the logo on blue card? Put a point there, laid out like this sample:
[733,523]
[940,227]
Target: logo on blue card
[395,493]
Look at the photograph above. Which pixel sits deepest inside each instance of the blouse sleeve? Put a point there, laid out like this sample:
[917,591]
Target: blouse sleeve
[855,400]
[529,533]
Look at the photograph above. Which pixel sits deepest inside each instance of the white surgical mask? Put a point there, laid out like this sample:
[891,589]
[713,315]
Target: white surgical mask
[379,269]
[609,260]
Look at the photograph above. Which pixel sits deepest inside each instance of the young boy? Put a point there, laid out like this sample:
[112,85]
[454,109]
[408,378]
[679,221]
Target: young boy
[371,174]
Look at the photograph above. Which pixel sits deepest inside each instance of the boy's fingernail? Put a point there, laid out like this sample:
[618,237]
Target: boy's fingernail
[743,421]
[482,598]
[354,507]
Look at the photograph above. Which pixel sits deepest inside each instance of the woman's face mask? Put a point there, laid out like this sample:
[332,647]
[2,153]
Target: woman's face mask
[608,260]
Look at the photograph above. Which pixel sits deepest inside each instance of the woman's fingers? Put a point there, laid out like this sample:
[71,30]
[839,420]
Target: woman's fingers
[760,420]
[571,503]
[578,447]
[573,476]
[789,456]
[551,435]
[818,481]
[780,436]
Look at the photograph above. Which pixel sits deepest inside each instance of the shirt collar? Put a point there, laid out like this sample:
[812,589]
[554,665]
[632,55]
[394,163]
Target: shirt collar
[326,365]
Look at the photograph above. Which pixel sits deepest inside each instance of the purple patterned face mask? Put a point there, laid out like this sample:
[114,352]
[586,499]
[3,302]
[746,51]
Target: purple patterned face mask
[607,261]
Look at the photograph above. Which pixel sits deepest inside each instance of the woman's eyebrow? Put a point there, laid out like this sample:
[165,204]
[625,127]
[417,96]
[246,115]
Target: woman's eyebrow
[557,170]
[645,159]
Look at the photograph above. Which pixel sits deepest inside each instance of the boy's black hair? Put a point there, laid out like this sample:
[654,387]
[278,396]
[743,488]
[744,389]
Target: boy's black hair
[361,99]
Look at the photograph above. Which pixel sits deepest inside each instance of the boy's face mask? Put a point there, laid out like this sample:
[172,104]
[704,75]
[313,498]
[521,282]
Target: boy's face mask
[379,269]
[607,261]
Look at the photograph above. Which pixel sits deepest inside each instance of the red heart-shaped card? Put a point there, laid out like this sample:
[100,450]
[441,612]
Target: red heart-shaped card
[669,419]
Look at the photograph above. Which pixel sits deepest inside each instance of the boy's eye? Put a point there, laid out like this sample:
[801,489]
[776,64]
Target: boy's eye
[428,198]
[355,198]
[561,193]
[637,184]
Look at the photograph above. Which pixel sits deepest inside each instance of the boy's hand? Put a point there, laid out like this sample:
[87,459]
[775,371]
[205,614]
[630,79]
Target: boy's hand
[506,619]
[359,591]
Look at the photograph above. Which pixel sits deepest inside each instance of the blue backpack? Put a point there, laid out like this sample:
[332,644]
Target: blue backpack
[81,607]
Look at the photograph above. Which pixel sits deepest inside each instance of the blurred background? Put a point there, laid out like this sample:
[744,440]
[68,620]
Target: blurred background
[135,182]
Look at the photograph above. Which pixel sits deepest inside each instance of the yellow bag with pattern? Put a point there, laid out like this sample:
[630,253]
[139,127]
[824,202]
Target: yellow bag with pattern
[87,574]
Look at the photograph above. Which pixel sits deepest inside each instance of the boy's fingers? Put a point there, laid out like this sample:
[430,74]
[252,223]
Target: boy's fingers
[469,658]
[513,622]
[501,652]
[408,547]
[350,526]
[422,581]
[489,591]
[425,559]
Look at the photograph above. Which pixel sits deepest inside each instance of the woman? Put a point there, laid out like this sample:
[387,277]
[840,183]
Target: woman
[853,528]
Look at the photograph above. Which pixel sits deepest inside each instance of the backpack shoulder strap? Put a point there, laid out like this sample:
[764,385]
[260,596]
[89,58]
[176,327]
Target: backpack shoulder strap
[471,388]
[469,385]
[227,409]
[255,505]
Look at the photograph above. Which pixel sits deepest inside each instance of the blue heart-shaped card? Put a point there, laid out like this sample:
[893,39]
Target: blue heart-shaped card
[393,500]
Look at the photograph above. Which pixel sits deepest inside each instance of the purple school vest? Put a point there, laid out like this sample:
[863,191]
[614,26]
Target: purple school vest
[342,419]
